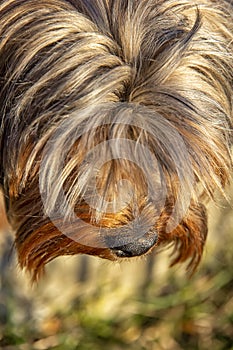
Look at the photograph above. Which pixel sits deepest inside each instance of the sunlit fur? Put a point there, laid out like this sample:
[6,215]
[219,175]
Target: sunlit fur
[164,66]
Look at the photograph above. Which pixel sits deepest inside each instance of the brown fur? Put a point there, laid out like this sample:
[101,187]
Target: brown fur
[136,92]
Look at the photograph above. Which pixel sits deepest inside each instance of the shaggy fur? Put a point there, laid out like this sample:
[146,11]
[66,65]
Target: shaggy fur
[116,121]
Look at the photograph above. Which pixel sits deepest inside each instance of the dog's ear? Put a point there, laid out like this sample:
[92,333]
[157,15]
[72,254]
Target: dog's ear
[188,238]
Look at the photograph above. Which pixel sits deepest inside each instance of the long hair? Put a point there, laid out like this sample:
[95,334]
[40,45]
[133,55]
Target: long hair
[116,120]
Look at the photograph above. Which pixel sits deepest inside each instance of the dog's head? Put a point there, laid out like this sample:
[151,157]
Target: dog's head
[116,124]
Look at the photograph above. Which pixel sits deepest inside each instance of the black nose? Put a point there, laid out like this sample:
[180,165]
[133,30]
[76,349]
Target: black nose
[136,248]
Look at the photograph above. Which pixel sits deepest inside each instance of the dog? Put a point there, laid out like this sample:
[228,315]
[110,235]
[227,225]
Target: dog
[116,125]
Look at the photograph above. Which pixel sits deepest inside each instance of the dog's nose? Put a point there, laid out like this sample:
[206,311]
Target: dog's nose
[136,248]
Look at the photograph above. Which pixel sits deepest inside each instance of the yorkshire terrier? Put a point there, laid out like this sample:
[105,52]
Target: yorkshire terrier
[116,125]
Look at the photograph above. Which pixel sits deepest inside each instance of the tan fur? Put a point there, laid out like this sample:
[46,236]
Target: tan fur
[145,85]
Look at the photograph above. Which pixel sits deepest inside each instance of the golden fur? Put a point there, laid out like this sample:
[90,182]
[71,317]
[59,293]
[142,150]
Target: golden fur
[116,124]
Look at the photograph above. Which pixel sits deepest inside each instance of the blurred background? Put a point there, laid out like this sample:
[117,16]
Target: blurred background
[87,303]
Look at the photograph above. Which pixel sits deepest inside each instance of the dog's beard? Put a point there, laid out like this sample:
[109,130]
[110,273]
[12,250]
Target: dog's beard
[116,129]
